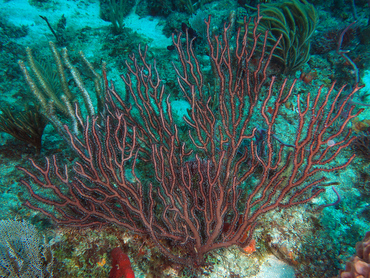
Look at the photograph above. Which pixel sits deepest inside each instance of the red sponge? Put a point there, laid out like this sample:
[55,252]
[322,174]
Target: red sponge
[121,265]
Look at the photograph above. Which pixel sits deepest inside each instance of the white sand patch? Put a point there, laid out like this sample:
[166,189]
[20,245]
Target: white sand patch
[78,15]
[148,27]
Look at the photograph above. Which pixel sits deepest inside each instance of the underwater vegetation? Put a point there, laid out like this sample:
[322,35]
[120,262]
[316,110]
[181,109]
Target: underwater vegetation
[115,11]
[59,104]
[209,192]
[296,21]
[27,126]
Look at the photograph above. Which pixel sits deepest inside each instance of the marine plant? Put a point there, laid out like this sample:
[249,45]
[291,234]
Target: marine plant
[52,92]
[27,126]
[117,10]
